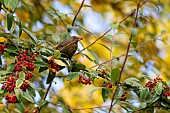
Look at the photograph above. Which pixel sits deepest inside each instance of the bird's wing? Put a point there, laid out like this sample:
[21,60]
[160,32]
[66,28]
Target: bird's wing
[64,43]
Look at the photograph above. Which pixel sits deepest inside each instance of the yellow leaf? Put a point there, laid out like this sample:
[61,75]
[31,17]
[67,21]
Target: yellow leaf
[2,39]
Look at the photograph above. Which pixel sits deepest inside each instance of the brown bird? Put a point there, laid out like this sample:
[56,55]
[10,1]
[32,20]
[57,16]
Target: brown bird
[69,46]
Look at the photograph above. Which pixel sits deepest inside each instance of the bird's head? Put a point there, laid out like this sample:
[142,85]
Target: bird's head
[77,38]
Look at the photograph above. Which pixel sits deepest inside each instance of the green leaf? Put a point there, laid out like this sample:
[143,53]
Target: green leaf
[31,91]
[105,94]
[114,26]
[50,77]
[20,28]
[6,3]
[40,64]
[5,72]
[73,75]
[13,4]
[109,37]
[57,54]
[42,69]
[115,73]
[119,92]
[127,104]
[65,36]
[9,20]
[69,27]
[19,83]
[65,108]
[56,38]
[134,31]
[98,88]
[134,43]
[20,107]
[154,98]
[143,94]
[43,102]
[168,83]
[3,78]
[22,75]
[31,35]
[94,55]
[158,88]
[133,82]
[28,97]
[19,93]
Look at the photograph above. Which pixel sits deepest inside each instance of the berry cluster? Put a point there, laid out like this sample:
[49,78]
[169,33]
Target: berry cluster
[55,66]
[25,60]
[84,80]
[123,98]
[2,47]
[29,75]
[151,85]
[10,84]
[24,86]
[27,110]
[167,92]
[11,99]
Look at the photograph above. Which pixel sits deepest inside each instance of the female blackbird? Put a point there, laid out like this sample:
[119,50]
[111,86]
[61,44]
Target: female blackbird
[69,46]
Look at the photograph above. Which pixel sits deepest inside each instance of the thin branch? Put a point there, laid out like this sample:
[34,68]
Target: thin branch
[77,13]
[126,56]
[111,29]
[45,95]
[106,32]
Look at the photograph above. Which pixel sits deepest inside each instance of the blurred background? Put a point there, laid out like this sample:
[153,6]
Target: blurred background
[49,20]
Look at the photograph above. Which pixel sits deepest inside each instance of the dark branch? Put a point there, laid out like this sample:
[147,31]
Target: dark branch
[126,56]
[77,13]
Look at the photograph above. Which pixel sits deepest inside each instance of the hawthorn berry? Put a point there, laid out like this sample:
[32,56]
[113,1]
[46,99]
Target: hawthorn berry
[109,85]
[2,47]
[11,99]
[84,80]
[55,66]
[29,75]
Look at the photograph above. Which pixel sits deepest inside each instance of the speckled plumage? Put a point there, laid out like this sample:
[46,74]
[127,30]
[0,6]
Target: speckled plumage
[69,46]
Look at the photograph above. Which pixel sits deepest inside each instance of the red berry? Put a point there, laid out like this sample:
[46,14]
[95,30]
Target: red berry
[109,85]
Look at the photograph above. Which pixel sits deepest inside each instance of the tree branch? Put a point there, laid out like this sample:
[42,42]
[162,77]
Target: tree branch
[45,95]
[77,13]
[111,29]
[126,56]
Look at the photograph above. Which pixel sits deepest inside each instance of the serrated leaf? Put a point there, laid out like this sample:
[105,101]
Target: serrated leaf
[114,26]
[105,94]
[73,75]
[98,88]
[19,93]
[28,97]
[9,20]
[94,55]
[158,88]
[134,31]
[143,94]
[31,35]
[19,83]
[20,107]
[115,73]
[57,54]
[22,75]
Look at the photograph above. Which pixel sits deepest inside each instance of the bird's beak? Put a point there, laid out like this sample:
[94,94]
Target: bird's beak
[80,38]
